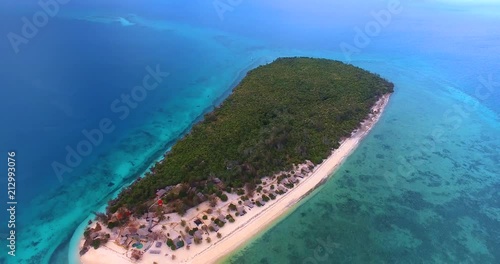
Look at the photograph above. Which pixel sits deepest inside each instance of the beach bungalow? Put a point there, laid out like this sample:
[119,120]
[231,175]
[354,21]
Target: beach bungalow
[197,222]
[201,197]
[115,230]
[169,188]
[160,193]
[198,234]
[131,232]
[292,179]
[284,181]
[122,240]
[222,218]
[249,204]
[300,175]
[178,242]
[125,233]
[259,200]
[218,182]
[188,239]
[143,233]
[153,236]
[282,188]
[213,226]
[241,210]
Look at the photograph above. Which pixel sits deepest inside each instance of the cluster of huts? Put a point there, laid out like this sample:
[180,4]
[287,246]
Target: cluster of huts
[201,227]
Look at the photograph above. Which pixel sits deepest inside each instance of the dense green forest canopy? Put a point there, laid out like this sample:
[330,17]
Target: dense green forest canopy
[282,113]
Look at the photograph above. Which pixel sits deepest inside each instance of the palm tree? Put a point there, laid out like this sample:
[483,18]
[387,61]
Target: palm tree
[212,199]
[102,217]
[161,218]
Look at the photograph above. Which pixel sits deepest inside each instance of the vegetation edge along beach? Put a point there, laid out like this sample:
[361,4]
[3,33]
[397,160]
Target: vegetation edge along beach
[282,131]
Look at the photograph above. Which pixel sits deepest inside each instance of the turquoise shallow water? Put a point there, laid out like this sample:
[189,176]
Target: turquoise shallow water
[403,196]
[422,188]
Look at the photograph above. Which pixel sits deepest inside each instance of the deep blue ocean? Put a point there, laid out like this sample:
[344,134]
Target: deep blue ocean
[423,187]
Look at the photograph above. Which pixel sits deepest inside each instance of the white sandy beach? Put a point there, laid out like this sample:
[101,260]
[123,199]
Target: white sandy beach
[249,225]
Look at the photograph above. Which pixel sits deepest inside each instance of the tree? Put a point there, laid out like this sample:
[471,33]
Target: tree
[274,118]
[180,208]
[170,242]
[159,212]
[86,233]
[161,218]
[212,200]
[96,243]
[102,217]
[250,188]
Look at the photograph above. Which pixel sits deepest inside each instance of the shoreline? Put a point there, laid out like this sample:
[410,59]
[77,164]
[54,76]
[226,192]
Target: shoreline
[273,213]
[159,155]
[236,235]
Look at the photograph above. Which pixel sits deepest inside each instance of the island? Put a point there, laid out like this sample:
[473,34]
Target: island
[281,133]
